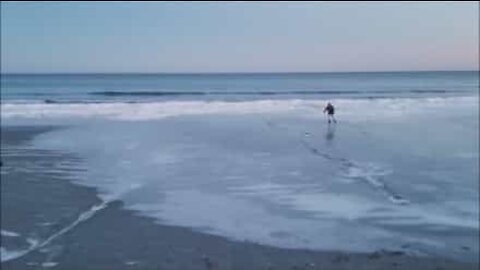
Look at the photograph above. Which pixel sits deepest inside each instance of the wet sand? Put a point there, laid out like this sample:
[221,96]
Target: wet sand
[37,203]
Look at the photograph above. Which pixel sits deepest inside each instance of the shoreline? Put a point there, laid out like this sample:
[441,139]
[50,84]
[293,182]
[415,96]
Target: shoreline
[116,238]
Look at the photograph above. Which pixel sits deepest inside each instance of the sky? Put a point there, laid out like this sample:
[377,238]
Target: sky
[172,37]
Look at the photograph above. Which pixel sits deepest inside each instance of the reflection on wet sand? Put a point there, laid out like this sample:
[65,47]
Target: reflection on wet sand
[330,135]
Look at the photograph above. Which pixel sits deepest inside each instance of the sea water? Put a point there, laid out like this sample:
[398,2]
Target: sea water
[251,156]
[160,87]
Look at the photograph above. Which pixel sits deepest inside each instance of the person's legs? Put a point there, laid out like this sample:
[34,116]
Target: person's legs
[334,121]
[331,117]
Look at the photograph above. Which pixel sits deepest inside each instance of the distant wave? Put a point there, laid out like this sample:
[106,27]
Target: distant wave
[260,93]
[217,93]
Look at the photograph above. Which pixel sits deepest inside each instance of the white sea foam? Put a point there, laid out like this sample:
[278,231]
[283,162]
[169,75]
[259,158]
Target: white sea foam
[367,108]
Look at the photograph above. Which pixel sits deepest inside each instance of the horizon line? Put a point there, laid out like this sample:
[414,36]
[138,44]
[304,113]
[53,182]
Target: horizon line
[226,72]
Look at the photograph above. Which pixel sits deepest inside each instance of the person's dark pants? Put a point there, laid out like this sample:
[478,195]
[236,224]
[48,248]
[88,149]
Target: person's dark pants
[330,117]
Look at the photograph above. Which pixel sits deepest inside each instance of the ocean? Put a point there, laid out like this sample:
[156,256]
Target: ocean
[251,157]
[74,88]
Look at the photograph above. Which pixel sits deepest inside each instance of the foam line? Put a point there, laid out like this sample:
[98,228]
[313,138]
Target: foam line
[264,92]
[377,108]
[34,245]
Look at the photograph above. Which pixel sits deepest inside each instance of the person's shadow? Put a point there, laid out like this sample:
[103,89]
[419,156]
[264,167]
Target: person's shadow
[330,135]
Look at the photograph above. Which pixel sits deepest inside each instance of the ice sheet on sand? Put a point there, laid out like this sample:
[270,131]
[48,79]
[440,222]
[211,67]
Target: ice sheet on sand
[258,178]
[242,219]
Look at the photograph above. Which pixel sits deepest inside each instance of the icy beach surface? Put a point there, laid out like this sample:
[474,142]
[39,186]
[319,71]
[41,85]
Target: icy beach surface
[394,173]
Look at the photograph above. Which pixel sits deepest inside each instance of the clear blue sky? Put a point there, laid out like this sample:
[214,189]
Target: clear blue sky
[238,36]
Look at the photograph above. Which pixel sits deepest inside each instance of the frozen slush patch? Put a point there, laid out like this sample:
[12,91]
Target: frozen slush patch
[369,172]
[9,233]
[337,206]
[49,264]
[373,174]
[427,215]
[425,187]
[467,155]
[265,189]
[7,255]
[310,198]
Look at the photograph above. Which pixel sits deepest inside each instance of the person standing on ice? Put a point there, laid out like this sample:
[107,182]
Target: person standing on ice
[330,110]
